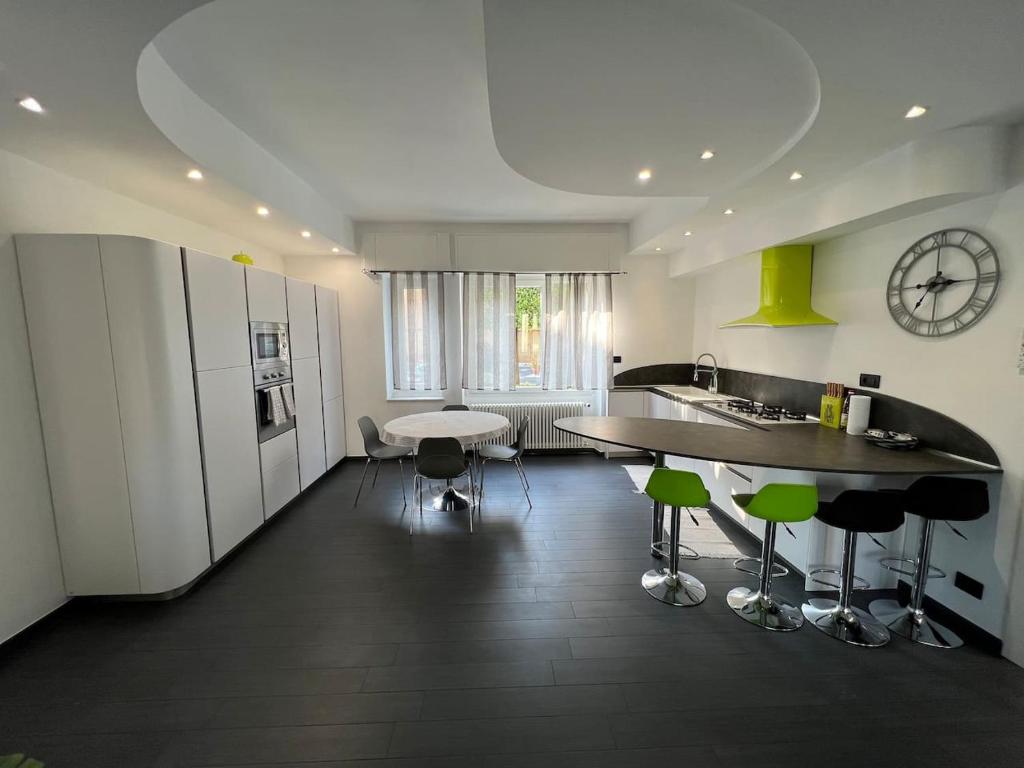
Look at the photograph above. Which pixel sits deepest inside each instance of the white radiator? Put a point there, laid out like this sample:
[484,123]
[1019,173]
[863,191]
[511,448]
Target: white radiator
[541,434]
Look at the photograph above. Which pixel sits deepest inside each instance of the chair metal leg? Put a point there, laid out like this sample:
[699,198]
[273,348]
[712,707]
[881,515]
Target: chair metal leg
[522,480]
[361,479]
[519,460]
[401,471]
[483,465]
[377,472]
[761,607]
[840,619]
[910,621]
[670,585]
[472,497]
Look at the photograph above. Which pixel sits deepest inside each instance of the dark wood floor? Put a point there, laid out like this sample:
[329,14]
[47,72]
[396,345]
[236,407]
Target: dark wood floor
[335,639]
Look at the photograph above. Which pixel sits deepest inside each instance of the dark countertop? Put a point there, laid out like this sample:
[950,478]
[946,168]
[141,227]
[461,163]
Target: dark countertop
[794,446]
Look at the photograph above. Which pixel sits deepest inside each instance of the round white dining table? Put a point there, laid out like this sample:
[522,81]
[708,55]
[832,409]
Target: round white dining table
[468,427]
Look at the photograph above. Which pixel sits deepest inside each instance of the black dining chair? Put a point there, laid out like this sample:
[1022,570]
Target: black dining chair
[441,458]
[455,407]
[513,454]
[379,451]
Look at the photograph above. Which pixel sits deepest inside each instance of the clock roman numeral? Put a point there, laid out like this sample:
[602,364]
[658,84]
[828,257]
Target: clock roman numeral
[987,278]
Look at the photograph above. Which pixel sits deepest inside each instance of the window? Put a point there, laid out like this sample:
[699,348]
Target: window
[414,323]
[528,319]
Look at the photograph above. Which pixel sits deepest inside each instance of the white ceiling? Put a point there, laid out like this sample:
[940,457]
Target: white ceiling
[383,109]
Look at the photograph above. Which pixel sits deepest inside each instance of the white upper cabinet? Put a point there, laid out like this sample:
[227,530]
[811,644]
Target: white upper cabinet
[218,311]
[267,300]
[62,282]
[330,342]
[302,319]
[145,297]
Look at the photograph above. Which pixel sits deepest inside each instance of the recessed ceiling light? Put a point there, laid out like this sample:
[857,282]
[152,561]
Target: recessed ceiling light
[335,250]
[195,174]
[915,111]
[728,211]
[644,174]
[262,211]
[707,154]
[30,104]
[658,248]
[306,234]
[795,176]
[687,233]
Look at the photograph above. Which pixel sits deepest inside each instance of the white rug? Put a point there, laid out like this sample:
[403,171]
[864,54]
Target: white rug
[706,537]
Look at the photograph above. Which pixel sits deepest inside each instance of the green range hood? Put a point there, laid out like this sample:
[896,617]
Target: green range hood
[785,290]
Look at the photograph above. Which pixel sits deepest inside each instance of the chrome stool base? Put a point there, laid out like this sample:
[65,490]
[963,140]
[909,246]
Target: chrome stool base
[764,611]
[851,625]
[913,625]
[679,589]
[451,500]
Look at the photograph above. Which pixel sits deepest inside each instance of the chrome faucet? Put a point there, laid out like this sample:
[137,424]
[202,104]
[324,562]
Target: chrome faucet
[713,368]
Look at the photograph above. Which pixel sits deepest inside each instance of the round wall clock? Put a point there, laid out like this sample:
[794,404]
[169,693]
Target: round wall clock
[944,283]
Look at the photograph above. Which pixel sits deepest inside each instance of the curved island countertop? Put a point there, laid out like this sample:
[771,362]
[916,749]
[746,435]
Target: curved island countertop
[808,446]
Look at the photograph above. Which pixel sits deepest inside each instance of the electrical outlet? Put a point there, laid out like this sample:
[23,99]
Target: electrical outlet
[972,587]
[616,358]
[872,380]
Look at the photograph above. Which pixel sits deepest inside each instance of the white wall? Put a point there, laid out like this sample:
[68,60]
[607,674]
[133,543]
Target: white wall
[971,377]
[34,198]
[644,300]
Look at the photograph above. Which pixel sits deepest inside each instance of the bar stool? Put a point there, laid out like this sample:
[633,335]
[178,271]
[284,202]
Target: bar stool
[775,503]
[677,489]
[933,499]
[854,512]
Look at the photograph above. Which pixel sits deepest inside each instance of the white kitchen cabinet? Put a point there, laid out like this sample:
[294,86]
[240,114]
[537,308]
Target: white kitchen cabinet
[624,403]
[62,284]
[113,368]
[231,460]
[268,302]
[309,419]
[334,431]
[279,464]
[329,334]
[302,319]
[218,311]
[145,296]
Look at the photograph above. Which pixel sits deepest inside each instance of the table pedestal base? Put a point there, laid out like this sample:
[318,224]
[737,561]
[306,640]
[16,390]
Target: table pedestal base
[451,500]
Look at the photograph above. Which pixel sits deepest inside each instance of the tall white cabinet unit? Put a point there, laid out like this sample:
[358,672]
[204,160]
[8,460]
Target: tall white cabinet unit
[110,347]
[309,411]
[227,408]
[329,333]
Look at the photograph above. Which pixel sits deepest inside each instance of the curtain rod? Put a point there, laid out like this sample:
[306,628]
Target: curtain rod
[495,271]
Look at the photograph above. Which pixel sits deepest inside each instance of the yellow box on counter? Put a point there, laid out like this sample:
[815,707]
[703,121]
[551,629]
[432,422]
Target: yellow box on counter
[831,411]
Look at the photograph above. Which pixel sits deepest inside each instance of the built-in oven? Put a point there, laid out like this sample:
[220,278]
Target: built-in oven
[275,401]
[269,343]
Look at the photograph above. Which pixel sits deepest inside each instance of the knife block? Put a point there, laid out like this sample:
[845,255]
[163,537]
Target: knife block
[831,411]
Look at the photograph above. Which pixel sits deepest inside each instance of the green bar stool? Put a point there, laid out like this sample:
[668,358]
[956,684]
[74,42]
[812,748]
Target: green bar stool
[676,489]
[775,503]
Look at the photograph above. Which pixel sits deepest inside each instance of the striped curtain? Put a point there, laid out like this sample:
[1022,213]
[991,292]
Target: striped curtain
[488,331]
[417,331]
[576,342]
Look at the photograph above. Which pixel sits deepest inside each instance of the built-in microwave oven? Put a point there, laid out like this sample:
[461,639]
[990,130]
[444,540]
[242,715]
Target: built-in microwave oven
[269,345]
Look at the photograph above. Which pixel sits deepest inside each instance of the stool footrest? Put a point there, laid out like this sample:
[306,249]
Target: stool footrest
[858,582]
[740,565]
[894,563]
[686,552]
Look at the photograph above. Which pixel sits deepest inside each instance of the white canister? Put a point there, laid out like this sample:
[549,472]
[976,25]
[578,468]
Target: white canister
[860,413]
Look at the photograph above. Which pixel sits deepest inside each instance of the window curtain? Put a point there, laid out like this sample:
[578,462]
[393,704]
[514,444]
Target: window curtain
[577,331]
[417,331]
[489,331]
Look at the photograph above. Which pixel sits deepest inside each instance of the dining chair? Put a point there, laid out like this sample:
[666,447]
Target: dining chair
[513,454]
[455,407]
[441,458]
[379,451]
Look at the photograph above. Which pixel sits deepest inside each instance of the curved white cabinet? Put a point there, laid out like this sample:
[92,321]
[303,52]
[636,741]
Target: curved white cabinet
[110,348]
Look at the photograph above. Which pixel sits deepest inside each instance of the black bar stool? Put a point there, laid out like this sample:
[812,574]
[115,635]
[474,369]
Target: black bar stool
[853,512]
[933,499]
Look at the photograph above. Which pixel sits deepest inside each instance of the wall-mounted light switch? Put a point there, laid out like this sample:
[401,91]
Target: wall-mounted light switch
[872,380]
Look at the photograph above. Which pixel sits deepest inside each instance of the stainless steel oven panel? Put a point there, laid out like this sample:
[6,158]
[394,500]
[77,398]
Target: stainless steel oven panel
[271,375]
[265,380]
[276,334]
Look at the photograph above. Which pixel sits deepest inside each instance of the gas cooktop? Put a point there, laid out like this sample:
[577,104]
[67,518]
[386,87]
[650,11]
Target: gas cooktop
[760,413]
